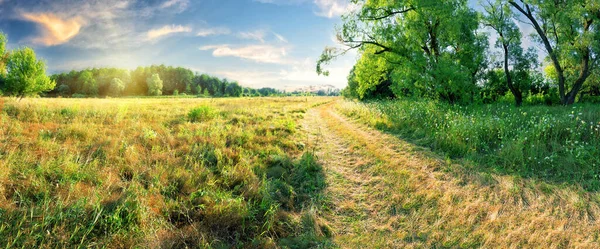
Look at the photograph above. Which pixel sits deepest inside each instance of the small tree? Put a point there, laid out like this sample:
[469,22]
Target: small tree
[155,85]
[188,89]
[198,90]
[26,75]
[116,87]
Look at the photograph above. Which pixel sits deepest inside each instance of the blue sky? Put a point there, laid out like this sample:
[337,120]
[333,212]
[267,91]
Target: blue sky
[260,43]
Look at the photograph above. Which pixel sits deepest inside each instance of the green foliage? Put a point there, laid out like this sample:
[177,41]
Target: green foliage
[116,87]
[420,48]
[155,85]
[552,143]
[572,43]
[89,84]
[63,90]
[3,56]
[25,74]
[201,114]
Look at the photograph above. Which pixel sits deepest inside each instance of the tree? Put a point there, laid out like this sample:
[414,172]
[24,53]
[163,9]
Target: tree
[570,33]
[499,17]
[155,85]
[25,74]
[116,87]
[432,46]
[63,90]
[88,84]
[3,55]
[233,89]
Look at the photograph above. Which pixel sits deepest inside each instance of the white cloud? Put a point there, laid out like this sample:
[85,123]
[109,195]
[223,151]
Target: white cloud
[167,30]
[213,31]
[332,8]
[257,53]
[280,38]
[55,30]
[258,35]
[180,4]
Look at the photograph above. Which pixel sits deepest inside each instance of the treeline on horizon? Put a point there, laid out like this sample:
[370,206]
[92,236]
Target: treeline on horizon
[153,80]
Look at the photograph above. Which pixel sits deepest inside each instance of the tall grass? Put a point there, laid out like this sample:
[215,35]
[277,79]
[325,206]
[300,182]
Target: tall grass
[559,144]
[157,173]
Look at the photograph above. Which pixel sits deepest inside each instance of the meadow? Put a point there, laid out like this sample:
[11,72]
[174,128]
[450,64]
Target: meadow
[557,144]
[296,172]
[211,173]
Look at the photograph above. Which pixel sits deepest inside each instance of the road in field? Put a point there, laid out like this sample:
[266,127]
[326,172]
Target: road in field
[386,193]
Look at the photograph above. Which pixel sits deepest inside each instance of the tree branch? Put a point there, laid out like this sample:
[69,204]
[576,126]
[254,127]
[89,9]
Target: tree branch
[387,14]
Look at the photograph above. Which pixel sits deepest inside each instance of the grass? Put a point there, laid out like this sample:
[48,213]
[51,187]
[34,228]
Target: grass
[390,193]
[208,173]
[557,144]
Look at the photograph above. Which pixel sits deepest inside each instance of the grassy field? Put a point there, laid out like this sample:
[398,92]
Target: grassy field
[296,173]
[556,144]
[146,172]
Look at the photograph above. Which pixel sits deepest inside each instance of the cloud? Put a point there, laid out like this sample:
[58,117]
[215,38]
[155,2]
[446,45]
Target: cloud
[332,8]
[258,35]
[180,4]
[257,53]
[280,38]
[167,30]
[55,31]
[213,31]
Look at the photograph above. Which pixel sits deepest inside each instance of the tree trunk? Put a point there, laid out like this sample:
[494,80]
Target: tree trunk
[559,70]
[515,91]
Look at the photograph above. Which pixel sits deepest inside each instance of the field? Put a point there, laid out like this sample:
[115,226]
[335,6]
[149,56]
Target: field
[296,173]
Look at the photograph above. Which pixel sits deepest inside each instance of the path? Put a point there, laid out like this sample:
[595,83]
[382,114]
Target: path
[386,193]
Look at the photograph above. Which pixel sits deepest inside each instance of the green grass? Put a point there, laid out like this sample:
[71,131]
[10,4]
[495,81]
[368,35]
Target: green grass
[146,172]
[558,144]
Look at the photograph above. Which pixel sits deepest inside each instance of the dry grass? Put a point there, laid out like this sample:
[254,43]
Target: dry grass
[214,173]
[153,172]
[413,198]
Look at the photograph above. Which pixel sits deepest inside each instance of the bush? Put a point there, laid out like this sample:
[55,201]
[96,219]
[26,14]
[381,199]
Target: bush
[202,113]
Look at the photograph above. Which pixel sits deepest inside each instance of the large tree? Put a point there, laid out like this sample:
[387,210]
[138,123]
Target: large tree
[433,45]
[25,74]
[570,33]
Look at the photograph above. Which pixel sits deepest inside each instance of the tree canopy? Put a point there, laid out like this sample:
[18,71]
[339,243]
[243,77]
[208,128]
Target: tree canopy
[439,48]
[25,74]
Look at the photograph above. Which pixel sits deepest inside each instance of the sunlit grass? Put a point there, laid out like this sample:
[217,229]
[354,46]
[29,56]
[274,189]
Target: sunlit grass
[553,143]
[157,173]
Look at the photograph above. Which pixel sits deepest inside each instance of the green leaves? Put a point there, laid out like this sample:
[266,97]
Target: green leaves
[155,85]
[25,74]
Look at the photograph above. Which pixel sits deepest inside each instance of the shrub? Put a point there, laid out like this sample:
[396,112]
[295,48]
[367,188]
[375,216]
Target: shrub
[202,113]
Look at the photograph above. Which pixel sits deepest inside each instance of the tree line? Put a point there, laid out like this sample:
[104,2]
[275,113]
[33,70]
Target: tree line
[154,80]
[439,49]
[22,74]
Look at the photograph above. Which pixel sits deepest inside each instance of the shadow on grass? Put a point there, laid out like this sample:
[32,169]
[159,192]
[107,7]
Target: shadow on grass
[282,213]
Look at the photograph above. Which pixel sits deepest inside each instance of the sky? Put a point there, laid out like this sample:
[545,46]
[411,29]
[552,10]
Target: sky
[259,43]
